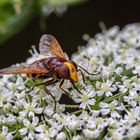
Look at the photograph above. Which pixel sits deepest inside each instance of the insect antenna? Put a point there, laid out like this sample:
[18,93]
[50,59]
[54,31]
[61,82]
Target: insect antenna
[89,72]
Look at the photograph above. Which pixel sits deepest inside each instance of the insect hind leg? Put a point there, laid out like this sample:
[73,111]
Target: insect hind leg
[47,91]
[47,83]
[50,82]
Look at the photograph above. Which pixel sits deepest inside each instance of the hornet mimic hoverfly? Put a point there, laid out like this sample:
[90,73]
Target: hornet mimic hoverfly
[56,66]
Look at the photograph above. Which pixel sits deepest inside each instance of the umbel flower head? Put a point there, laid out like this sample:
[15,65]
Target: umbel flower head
[109,107]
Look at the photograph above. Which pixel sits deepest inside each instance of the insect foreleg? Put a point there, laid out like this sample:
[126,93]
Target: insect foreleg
[76,88]
[60,86]
[83,77]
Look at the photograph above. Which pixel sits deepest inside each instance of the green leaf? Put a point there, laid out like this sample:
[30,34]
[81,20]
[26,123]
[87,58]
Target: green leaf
[55,3]
[16,14]
[11,24]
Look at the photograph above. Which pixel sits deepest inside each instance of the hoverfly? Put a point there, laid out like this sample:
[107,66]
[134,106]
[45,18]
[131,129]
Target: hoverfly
[56,66]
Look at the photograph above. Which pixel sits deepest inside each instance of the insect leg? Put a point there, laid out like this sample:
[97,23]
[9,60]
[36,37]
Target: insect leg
[50,82]
[47,83]
[60,86]
[83,76]
[47,91]
[76,88]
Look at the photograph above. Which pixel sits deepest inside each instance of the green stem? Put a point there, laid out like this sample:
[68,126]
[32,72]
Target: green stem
[108,100]
[67,132]
[102,134]
[76,112]
[72,106]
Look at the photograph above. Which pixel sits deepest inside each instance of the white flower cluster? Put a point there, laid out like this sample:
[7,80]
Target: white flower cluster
[108,108]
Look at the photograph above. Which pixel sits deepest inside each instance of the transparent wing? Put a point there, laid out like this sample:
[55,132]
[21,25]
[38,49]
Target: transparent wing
[22,69]
[14,70]
[49,46]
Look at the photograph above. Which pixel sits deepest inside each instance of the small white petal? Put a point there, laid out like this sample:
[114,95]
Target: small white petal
[105,111]
[48,111]
[40,128]
[26,138]
[90,134]
[108,93]
[31,114]
[35,120]
[53,132]
[31,135]
[91,102]
[100,93]
[120,107]
[77,100]
[95,113]
[115,114]
[4,129]
[61,136]
[132,93]
[115,102]
[23,131]
[133,103]
[77,137]
[34,104]
[1,103]
[26,122]
[23,113]
[123,90]
[91,94]
[72,125]
[9,136]
[89,88]
[113,88]
[103,105]
[38,110]
[83,105]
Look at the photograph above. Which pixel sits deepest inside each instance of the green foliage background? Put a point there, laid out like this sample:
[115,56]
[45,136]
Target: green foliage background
[16,14]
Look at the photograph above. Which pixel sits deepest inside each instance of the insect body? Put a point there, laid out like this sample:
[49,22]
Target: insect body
[55,66]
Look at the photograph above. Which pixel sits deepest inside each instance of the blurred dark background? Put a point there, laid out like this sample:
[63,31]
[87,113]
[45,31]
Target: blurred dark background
[70,27]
